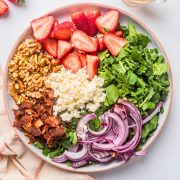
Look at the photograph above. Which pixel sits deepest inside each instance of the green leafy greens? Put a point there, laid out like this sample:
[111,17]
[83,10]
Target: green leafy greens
[60,145]
[138,74]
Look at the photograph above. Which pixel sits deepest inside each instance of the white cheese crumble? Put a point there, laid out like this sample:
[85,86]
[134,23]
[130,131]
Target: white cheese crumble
[75,92]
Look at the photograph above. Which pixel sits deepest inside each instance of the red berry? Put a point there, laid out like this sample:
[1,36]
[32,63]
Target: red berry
[92,65]
[72,62]
[83,42]
[3,7]
[114,43]
[51,46]
[108,21]
[64,48]
[42,27]
[64,30]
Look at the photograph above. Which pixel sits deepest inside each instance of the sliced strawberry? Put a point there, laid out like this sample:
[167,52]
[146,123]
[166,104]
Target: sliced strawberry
[51,46]
[82,57]
[96,43]
[72,62]
[100,36]
[92,65]
[83,42]
[101,42]
[42,27]
[64,30]
[91,18]
[56,23]
[114,43]
[80,20]
[64,48]
[108,21]
[3,7]
[119,33]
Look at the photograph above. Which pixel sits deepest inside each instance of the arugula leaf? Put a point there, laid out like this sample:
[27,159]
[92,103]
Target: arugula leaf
[159,69]
[136,56]
[122,54]
[94,124]
[46,151]
[69,163]
[112,94]
[148,105]
[65,143]
[143,40]
[75,139]
[38,145]
[131,78]
[149,128]
[74,122]
[149,96]
[132,30]
[132,36]
[107,76]
[54,153]
[101,111]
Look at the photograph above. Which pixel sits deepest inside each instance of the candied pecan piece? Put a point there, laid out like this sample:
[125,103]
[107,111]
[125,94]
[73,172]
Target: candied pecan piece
[38,123]
[56,132]
[26,105]
[39,108]
[18,112]
[35,131]
[45,128]
[25,119]
[52,121]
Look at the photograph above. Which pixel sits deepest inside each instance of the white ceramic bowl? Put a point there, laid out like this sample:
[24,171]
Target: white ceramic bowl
[64,13]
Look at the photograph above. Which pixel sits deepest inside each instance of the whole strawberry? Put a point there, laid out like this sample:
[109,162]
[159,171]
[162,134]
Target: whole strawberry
[3,8]
[17,2]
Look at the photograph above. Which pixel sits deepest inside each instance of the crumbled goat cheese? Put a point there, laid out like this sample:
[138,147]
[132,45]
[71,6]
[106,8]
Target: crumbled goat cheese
[75,92]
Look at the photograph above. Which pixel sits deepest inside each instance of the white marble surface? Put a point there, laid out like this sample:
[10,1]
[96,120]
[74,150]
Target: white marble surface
[163,159]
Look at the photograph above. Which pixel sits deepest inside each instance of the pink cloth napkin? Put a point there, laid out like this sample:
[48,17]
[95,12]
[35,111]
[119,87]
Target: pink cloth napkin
[17,162]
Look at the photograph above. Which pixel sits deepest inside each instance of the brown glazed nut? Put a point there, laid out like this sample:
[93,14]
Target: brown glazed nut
[28,70]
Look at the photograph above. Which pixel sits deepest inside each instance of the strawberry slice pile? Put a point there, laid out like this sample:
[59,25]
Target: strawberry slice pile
[75,44]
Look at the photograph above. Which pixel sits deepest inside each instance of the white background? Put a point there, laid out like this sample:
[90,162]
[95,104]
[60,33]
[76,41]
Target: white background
[163,160]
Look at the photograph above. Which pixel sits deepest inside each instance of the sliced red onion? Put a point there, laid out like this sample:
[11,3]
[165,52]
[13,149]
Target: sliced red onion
[77,156]
[141,153]
[100,156]
[82,127]
[80,163]
[120,110]
[74,148]
[113,138]
[127,156]
[156,111]
[60,159]
[132,108]
[121,137]
[63,158]
[104,130]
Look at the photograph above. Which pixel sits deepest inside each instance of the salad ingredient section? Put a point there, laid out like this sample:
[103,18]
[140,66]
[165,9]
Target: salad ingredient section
[75,93]
[90,90]
[28,70]
[37,120]
[138,73]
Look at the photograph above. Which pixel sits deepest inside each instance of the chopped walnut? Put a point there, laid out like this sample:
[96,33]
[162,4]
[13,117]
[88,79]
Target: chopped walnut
[28,70]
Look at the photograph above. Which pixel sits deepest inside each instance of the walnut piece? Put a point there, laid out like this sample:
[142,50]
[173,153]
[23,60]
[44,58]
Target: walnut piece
[28,70]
